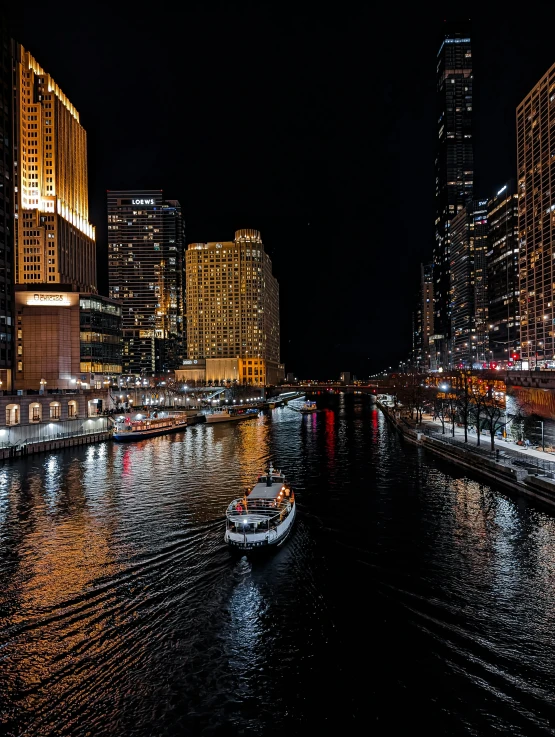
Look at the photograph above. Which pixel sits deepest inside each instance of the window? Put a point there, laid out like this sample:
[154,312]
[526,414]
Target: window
[35,412]
[72,409]
[55,411]
[12,414]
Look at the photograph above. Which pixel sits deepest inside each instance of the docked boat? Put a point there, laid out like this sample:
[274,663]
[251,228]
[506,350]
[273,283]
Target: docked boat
[264,516]
[233,414]
[307,407]
[128,430]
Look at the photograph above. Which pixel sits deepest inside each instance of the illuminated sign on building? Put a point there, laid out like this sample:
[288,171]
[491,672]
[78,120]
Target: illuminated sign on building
[48,298]
[142,202]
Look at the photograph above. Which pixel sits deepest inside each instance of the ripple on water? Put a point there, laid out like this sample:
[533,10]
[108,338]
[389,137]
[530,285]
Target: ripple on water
[404,582]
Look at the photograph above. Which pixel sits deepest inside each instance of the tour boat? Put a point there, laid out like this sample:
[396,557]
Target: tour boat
[127,429]
[308,406]
[233,414]
[264,516]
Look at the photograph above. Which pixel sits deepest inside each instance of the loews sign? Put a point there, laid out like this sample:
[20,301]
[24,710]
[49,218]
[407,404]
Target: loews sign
[142,202]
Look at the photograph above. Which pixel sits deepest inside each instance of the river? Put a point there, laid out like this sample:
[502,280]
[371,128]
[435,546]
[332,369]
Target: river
[408,598]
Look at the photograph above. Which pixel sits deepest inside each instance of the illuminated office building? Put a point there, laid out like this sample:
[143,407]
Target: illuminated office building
[536,219]
[502,263]
[6,208]
[233,311]
[146,237]
[469,233]
[55,243]
[454,163]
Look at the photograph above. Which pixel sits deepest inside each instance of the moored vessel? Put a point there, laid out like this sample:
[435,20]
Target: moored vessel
[233,414]
[264,516]
[128,430]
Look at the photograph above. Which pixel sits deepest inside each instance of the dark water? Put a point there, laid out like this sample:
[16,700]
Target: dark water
[409,599]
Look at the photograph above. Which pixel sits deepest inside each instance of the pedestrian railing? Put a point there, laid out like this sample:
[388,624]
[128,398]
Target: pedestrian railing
[505,456]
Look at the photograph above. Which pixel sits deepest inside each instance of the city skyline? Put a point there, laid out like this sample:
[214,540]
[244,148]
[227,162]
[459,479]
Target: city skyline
[300,175]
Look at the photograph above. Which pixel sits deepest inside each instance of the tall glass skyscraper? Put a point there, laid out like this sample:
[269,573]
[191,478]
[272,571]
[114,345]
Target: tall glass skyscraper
[454,163]
[146,237]
[536,220]
[502,264]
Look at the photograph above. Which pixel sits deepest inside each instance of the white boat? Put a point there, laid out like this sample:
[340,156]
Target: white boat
[128,430]
[233,414]
[308,406]
[264,516]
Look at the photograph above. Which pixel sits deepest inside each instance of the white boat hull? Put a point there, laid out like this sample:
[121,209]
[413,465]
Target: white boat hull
[265,539]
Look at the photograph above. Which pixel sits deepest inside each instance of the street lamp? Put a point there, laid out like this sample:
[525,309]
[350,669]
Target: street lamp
[42,383]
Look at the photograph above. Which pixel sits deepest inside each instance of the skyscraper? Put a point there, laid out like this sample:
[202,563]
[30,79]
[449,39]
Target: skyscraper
[6,207]
[55,241]
[535,118]
[145,271]
[427,310]
[454,162]
[233,310]
[469,284]
[502,264]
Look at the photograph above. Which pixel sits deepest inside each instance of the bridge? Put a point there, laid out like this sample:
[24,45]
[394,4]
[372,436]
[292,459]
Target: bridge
[336,388]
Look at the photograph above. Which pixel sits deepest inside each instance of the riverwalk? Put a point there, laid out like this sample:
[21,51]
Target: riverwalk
[529,472]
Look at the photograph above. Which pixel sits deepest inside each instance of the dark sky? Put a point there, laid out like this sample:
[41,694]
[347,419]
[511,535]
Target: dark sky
[313,123]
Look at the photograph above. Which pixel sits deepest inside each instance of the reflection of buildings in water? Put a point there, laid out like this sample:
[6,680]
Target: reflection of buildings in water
[329,425]
[501,545]
[64,552]
[253,449]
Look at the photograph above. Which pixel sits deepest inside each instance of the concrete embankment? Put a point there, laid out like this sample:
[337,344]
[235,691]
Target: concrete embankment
[49,445]
[499,470]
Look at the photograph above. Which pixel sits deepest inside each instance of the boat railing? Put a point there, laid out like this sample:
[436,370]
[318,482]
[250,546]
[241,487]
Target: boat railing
[256,516]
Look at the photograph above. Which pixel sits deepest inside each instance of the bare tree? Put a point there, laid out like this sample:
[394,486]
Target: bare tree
[440,406]
[465,380]
[494,412]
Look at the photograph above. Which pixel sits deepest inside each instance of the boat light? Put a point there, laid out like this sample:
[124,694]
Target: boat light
[245,521]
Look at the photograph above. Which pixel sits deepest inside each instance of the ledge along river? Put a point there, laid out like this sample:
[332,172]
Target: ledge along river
[409,597]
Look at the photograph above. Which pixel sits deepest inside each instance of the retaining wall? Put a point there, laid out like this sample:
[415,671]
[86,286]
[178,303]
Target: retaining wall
[534,486]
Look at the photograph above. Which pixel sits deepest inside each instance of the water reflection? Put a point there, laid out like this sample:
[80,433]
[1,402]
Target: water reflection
[122,612]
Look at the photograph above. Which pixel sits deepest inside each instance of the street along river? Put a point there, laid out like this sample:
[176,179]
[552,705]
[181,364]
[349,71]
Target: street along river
[409,598]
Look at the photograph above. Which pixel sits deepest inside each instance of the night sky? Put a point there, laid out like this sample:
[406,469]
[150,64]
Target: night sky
[314,124]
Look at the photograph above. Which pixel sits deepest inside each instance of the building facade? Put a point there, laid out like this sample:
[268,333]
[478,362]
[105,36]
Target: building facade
[233,310]
[47,339]
[535,117]
[503,280]
[454,163]
[55,243]
[100,338]
[7,310]
[468,245]
[427,313]
[66,340]
[146,237]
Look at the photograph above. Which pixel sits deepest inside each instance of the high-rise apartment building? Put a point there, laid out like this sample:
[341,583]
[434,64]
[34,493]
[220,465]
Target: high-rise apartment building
[469,329]
[454,162]
[423,319]
[427,310]
[7,308]
[233,310]
[535,118]
[55,243]
[146,237]
[502,266]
